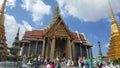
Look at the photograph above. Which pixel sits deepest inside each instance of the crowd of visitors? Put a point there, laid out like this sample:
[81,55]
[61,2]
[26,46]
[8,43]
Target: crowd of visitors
[88,63]
[82,62]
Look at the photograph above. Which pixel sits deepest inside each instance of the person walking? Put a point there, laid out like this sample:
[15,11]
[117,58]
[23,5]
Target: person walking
[48,65]
[79,62]
[52,65]
[58,65]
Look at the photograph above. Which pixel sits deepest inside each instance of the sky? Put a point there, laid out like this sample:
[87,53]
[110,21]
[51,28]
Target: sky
[91,17]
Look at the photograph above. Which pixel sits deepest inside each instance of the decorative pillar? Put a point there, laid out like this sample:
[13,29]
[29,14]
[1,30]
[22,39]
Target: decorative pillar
[23,44]
[91,52]
[29,49]
[43,48]
[80,50]
[36,46]
[73,51]
[69,48]
[52,49]
[46,52]
[87,52]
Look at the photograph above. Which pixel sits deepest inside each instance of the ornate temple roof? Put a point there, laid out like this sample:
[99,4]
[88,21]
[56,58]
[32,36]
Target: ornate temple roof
[34,35]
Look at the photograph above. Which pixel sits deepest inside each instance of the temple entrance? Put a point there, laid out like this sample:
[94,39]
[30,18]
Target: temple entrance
[60,48]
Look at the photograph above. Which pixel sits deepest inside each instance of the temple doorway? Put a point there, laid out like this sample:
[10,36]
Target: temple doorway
[60,48]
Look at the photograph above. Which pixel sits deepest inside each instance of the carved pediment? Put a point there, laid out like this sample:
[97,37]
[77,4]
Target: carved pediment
[61,31]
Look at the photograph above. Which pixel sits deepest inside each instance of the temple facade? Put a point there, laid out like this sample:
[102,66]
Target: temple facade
[114,47]
[55,40]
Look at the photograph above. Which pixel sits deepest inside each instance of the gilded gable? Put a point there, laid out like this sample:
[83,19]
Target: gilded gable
[61,31]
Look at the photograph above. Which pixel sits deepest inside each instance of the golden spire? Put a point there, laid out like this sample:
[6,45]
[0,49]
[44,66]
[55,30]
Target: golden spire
[3,7]
[114,26]
[55,15]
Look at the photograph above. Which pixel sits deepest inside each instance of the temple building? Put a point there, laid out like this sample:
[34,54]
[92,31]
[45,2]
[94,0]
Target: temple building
[114,47]
[56,40]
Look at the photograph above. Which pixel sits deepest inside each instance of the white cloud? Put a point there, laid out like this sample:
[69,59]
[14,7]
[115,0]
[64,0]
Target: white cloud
[106,45]
[88,10]
[26,25]
[10,3]
[11,27]
[37,8]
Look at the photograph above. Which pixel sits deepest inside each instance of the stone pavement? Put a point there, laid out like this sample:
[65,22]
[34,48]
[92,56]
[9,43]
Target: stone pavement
[65,67]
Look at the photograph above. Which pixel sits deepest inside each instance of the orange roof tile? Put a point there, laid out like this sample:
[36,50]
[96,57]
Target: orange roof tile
[38,32]
[27,34]
[34,35]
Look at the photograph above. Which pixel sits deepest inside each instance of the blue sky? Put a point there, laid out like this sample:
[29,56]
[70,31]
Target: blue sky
[90,17]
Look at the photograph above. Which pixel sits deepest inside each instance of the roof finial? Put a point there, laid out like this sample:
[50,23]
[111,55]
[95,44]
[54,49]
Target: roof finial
[3,7]
[16,40]
[18,30]
[56,11]
[111,12]
[55,15]
[99,51]
[114,26]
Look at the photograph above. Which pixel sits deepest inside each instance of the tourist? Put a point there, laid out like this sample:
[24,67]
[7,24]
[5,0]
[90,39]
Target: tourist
[97,65]
[79,62]
[100,66]
[58,65]
[83,63]
[72,63]
[64,61]
[39,60]
[112,65]
[52,65]
[45,62]
[48,65]
[68,62]
[58,59]
[48,59]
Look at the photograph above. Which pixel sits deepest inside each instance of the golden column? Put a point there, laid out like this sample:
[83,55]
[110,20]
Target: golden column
[87,52]
[29,49]
[69,48]
[52,49]
[36,45]
[46,52]
[22,48]
[90,52]
[43,48]
[73,50]
[80,50]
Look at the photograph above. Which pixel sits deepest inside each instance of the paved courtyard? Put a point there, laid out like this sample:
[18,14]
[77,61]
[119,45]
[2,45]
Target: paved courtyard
[66,67]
